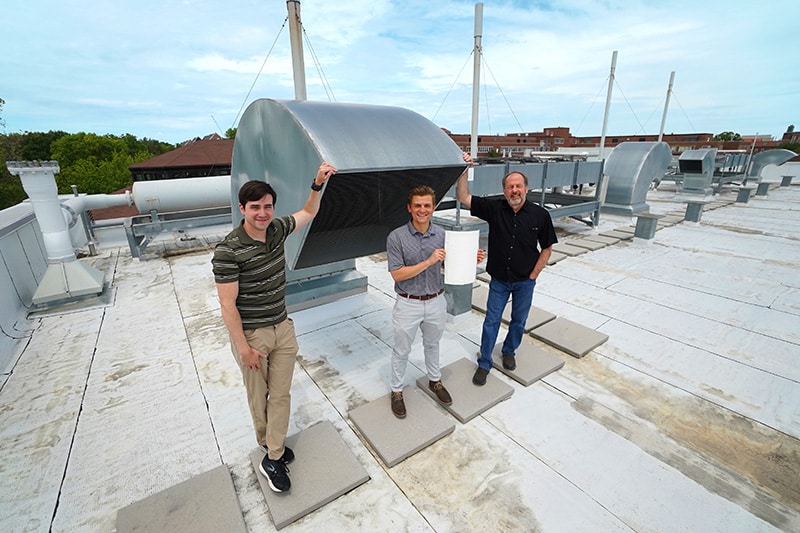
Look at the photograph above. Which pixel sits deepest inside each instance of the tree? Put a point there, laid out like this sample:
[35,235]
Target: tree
[36,145]
[96,164]
[727,136]
[230,133]
[794,147]
[71,148]
[11,191]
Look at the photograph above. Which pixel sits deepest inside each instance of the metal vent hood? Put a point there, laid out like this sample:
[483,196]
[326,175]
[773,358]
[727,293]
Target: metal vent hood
[380,152]
[630,168]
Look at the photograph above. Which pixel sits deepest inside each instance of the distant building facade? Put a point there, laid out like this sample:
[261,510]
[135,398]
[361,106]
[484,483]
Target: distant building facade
[209,156]
[560,138]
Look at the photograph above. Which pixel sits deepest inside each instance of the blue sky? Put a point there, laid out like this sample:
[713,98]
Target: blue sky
[175,70]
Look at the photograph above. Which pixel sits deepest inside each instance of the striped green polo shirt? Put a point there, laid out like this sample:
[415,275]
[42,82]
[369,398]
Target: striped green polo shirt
[260,269]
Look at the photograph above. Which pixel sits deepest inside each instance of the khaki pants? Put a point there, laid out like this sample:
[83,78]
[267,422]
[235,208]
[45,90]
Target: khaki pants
[268,388]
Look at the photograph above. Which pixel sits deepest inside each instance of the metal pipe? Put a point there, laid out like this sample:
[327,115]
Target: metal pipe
[666,106]
[608,105]
[181,194]
[476,79]
[296,40]
[476,91]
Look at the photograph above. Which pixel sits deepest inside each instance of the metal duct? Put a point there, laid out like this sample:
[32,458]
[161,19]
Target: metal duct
[761,159]
[65,278]
[181,194]
[697,167]
[630,168]
[380,153]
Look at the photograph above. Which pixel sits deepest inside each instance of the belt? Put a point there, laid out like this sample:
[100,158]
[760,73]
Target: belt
[423,297]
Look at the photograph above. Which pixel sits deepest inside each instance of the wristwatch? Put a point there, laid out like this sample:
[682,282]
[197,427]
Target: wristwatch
[315,187]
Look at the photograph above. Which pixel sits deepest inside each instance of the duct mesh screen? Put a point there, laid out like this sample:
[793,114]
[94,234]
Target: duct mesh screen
[359,210]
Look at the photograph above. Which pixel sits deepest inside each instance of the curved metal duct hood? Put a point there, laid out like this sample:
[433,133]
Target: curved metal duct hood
[630,168]
[380,153]
[777,157]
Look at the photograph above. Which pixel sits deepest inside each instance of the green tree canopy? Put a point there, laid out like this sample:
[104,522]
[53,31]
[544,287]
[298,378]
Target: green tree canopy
[96,164]
[727,136]
[794,147]
[36,145]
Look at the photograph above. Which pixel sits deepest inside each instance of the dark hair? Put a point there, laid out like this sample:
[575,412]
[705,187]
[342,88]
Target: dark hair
[254,190]
[421,190]
[524,177]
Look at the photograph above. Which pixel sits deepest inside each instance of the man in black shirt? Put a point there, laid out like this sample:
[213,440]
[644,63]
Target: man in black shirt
[521,237]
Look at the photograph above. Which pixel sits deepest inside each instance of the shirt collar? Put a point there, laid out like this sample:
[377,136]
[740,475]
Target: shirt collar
[413,231]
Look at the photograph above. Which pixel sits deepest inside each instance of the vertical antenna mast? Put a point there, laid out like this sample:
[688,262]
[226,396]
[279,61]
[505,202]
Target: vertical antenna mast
[666,106]
[296,40]
[608,105]
[476,79]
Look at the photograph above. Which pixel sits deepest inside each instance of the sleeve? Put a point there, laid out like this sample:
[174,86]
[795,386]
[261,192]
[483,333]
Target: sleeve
[394,252]
[547,237]
[224,265]
[479,207]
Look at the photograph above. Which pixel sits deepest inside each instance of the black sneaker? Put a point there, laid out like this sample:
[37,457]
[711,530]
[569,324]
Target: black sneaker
[480,376]
[287,457]
[509,362]
[277,474]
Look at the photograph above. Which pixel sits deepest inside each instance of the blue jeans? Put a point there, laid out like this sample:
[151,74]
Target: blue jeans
[521,293]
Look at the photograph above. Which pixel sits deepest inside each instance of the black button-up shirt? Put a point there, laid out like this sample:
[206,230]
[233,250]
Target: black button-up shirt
[513,237]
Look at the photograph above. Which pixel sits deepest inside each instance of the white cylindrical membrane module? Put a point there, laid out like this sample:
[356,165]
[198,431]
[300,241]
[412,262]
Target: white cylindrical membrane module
[182,194]
[461,256]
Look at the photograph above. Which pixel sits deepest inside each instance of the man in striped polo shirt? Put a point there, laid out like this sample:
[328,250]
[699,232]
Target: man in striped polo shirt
[249,271]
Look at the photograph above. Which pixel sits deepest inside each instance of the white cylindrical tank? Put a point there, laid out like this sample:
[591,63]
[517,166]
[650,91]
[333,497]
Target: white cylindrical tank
[182,194]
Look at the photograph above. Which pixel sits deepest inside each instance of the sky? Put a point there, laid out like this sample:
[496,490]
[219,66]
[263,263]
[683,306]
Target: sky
[174,70]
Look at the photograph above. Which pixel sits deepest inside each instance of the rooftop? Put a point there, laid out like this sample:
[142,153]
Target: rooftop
[686,419]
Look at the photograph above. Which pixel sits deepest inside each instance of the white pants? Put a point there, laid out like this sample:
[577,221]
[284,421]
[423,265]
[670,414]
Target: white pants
[431,317]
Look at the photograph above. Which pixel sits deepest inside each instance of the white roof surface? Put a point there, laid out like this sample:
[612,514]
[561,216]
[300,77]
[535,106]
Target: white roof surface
[686,419]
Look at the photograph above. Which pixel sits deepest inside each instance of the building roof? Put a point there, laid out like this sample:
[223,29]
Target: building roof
[207,152]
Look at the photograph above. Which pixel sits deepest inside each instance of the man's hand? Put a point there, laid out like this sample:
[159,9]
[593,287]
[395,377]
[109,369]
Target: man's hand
[251,357]
[326,170]
[437,256]
[481,255]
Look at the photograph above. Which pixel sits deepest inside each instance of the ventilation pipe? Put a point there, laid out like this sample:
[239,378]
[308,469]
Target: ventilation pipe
[65,278]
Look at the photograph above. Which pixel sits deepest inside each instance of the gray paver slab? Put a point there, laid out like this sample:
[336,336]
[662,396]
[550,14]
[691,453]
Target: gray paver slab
[469,400]
[575,339]
[203,503]
[621,235]
[568,249]
[555,257]
[536,317]
[394,439]
[626,229]
[533,363]
[603,239]
[586,243]
[485,277]
[325,469]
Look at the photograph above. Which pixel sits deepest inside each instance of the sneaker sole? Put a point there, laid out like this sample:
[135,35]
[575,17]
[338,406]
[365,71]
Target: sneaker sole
[269,481]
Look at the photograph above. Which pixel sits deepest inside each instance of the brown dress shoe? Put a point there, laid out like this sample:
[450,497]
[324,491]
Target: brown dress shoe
[398,405]
[441,393]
